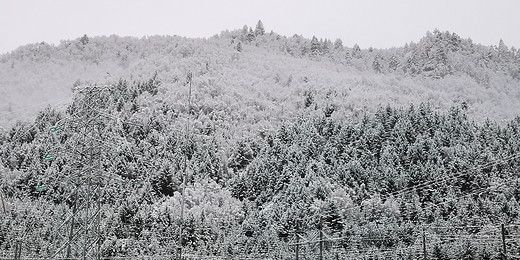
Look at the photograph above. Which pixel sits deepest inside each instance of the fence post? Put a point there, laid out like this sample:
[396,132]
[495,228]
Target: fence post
[424,244]
[297,245]
[71,231]
[321,242]
[18,249]
[504,251]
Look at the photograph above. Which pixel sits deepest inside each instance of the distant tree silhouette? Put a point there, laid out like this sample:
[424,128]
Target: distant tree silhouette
[394,63]
[259,30]
[503,51]
[356,52]
[315,46]
[326,47]
[250,35]
[376,64]
[338,45]
[84,40]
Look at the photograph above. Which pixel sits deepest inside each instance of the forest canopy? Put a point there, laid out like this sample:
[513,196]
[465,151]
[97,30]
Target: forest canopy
[400,168]
[279,139]
[442,69]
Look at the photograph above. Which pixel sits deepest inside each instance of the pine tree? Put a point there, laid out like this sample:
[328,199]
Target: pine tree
[393,64]
[516,71]
[356,52]
[503,52]
[304,51]
[259,30]
[455,43]
[84,40]
[321,44]
[376,64]
[338,45]
[442,67]
[250,35]
[326,46]
[348,57]
[412,64]
[315,46]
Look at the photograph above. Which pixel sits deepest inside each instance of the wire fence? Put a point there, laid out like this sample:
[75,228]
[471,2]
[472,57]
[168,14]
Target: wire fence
[431,242]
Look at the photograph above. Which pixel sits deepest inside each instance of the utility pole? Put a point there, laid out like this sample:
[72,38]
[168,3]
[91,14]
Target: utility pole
[79,235]
[504,251]
[71,232]
[297,245]
[3,204]
[183,189]
[98,229]
[321,239]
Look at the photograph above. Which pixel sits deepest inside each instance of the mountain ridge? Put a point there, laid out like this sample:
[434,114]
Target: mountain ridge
[40,73]
[276,139]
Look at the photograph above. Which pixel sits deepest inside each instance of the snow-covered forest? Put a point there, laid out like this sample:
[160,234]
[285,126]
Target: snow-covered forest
[280,138]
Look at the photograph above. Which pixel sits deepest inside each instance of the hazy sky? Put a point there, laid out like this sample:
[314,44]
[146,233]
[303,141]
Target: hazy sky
[376,23]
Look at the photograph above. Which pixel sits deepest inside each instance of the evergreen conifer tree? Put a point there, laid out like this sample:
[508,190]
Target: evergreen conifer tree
[84,40]
[393,64]
[320,46]
[356,52]
[315,46]
[259,30]
[250,35]
[338,45]
[348,57]
[503,52]
[376,64]
[326,46]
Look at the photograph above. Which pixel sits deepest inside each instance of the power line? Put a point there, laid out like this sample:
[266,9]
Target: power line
[465,172]
[81,234]
[430,183]
[55,102]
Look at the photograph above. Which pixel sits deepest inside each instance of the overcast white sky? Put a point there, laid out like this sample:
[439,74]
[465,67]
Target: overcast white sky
[376,23]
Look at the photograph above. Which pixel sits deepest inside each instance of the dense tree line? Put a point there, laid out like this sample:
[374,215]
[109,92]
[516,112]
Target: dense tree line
[437,55]
[387,174]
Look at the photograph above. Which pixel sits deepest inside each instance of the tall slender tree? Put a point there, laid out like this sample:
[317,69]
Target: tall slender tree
[394,63]
[356,52]
[315,46]
[259,30]
[250,35]
[338,45]
[376,64]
